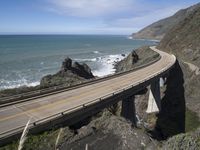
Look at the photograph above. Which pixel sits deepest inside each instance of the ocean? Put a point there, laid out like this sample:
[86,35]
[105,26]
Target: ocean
[25,59]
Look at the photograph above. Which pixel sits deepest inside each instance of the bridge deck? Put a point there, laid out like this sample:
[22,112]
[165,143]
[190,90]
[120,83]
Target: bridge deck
[12,117]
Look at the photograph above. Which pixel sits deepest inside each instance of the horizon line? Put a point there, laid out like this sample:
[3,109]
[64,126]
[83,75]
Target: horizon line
[18,34]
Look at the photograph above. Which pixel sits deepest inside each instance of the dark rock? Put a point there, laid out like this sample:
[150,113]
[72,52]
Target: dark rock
[66,64]
[82,70]
[135,57]
[108,132]
[123,55]
[68,75]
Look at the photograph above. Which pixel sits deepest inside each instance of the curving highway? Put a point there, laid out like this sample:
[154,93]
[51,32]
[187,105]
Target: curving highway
[13,118]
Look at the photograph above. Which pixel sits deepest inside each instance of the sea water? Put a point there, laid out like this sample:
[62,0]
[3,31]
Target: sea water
[25,59]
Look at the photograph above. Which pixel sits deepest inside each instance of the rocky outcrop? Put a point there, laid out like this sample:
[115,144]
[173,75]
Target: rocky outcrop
[158,29]
[69,74]
[136,58]
[108,132]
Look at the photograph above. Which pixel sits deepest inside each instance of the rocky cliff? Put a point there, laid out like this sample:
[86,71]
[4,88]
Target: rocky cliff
[158,29]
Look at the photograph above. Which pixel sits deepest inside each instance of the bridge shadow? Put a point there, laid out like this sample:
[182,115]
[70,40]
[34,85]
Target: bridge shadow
[171,118]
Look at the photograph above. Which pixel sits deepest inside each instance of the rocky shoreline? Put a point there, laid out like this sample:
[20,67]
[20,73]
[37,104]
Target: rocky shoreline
[70,73]
[101,128]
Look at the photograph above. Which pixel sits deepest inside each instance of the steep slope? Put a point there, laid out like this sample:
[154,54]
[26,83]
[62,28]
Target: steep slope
[183,40]
[158,29]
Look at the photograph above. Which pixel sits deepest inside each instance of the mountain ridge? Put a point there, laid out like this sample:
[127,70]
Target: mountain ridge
[157,30]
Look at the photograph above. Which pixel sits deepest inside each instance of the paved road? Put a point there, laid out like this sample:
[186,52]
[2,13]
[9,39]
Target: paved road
[17,115]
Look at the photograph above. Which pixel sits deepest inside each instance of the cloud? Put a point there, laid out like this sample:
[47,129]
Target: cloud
[145,19]
[90,8]
[113,16]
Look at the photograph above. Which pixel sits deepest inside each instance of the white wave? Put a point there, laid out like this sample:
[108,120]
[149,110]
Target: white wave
[96,52]
[107,65]
[82,60]
[17,83]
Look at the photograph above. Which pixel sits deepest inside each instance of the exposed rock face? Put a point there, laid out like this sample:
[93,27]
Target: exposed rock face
[108,132]
[138,57]
[66,65]
[158,29]
[69,74]
[82,70]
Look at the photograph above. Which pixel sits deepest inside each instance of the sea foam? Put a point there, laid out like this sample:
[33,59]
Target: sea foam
[107,65]
[17,84]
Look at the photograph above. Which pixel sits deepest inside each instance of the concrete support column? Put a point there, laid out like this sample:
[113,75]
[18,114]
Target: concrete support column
[154,102]
[128,109]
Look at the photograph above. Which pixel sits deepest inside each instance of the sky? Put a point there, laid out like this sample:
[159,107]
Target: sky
[84,16]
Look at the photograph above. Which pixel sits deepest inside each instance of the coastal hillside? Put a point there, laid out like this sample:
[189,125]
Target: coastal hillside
[158,29]
[183,40]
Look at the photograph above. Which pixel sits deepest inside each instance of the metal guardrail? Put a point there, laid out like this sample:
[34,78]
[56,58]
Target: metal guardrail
[79,107]
[10,100]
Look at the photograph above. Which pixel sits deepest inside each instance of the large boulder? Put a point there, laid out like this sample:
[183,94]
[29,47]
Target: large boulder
[69,74]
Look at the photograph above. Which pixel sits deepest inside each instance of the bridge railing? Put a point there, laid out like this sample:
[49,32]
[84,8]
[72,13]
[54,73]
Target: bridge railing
[9,100]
